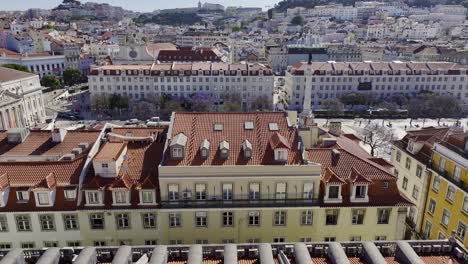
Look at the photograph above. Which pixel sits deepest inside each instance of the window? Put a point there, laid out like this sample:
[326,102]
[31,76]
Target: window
[330,239]
[70,194]
[3,223]
[441,236]
[383,216]
[305,239]
[201,241]
[308,190]
[450,193]
[306,217]
[227,191]
[23,222]
[381,238]
[445,218]
[432,206]
[398,156]
[228,218]
[361,191]
[436,183]
[427,229]
[465,205]
[70,221]
[27,245]
[122,221]
[149,220]
[151,242]
[333,192]
[73,244]
[441,164]
[23,196]
[254,191]
[96,221]
[42,198]
[177,152]
[93,198]
[49,244]
[281,154]
[147,197]
[280,218]
[200,219]
[415,192]
[99,243]
[5,245]
[200,191]
[105,165]
[456,173]
[120,197]
[175,242]
[173,192]
[254,218]
[419,170]
[278,240]
[357,217]
[408,163]
[331,217]
[404,185]
[355,238]
[461,230]
[281,190]
[174,220]
[385,184]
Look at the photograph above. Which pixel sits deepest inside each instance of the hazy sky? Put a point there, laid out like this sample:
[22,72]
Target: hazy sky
[137,5]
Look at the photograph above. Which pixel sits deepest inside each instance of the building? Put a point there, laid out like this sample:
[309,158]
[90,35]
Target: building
[322,80]
[411,158]
[22,102]
[70,50]
[183,79]
[188,54]
[438,251]
[202,39]
[39,63]
[40,175]
[446,210]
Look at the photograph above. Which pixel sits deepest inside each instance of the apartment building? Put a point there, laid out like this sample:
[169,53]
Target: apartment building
[202,39]
[40,63]
[322,80]
[22,102]
[411,158]
[446,211]
[39,184]
[183,79]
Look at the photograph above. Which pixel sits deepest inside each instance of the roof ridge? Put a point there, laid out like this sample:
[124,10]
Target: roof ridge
[368,161]
[258,136]
[192,136]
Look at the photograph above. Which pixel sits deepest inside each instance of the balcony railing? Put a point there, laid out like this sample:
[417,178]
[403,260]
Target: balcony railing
[239,201]
[446,175]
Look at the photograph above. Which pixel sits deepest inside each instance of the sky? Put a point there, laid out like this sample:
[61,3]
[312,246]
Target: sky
[136,5]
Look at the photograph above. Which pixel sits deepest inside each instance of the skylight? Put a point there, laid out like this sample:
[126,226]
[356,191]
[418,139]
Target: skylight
[273,126]
[218,127]
[248,125]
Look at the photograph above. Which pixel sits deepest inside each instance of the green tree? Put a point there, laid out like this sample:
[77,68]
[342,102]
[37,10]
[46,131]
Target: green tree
[51,81]
[333,107]
[72,76]
[354,99]
[16,67]
[236,29]
[297,20]
[261,103]
[231,102]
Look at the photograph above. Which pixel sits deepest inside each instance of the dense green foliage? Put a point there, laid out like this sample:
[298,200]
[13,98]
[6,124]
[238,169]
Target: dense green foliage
[169,19]
[51,81]
[72,76]
[16,67]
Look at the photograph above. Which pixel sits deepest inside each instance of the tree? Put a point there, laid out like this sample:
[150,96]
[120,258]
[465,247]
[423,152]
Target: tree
[231,102]
[201,102]
[51,81]
[439,106]
[16,67]
[261,103]
[297,20]
[333,107]
[376,137]
[354,99]
[118,102]
[399,99]
[72,76]
[236,28]
[99,103]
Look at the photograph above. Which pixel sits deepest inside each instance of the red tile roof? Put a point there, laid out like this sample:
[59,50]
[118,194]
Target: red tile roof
[200,126]
[357,178]
[278,141]
[330,177]
[110,151]
[4,181]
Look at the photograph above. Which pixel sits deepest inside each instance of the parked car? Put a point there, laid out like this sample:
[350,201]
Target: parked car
[132,121]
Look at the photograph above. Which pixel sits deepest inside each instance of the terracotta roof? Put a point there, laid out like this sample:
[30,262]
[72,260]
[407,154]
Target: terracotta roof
[4,181]
[7,74]
[201,126]
[330,177]
[110,151]
[439,260]
[47,183]
[357,178]
[278,141]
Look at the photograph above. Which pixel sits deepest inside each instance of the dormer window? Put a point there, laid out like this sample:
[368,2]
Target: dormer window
[360,191]
[70,194]
[23,196]
[121,197]
[147,197]
[177,146]
[204,149]
[177,152]
[224,149]
[105,165]
[247,148]
[42,198]
[281,154]
[93,198]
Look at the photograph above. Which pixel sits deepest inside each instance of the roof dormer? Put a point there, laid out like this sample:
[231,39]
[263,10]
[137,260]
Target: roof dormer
[224,149]
[247,148]
[280,146]
[205,149]
[108,161]
[415,145]
[45,190]
[359,186]
[58,135]
[177,146]
[333,184]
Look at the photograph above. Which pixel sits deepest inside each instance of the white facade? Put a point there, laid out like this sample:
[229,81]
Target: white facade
[332,80]
[202,40]
[41,65]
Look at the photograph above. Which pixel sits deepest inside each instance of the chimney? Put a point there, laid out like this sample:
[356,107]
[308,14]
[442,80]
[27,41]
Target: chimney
[17,135]
[335,128]
[58,134]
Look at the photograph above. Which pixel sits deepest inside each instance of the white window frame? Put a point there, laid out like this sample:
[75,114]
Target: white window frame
[93,198]
[70,194]
[40,196]
[22,196]
[254,191]
[146,192]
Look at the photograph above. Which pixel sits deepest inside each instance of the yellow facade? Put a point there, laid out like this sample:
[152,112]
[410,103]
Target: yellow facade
[438,224]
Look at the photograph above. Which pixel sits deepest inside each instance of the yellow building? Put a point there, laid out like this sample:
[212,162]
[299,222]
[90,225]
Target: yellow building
[446,210]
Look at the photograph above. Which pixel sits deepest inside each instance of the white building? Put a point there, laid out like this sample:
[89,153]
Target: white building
[323,80]
[40,63]
[202,39]
[21,99]
[141,81]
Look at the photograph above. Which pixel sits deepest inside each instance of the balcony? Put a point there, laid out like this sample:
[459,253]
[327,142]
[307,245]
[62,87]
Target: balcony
[446,175]
[239,201]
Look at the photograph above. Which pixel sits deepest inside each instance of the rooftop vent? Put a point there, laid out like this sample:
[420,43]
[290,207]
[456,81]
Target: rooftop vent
[76,151]
[58,135]
[69,156]
[83,145]
[249,125]
[218,127]
[17,135]
[273,126]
